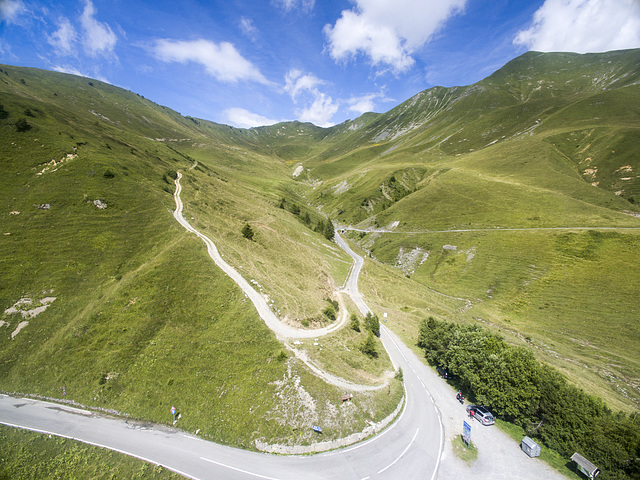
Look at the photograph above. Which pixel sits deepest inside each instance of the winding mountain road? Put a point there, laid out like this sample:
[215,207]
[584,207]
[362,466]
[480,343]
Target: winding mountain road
[411,448]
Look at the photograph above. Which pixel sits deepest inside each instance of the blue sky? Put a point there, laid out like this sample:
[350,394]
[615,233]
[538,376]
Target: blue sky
[248,63]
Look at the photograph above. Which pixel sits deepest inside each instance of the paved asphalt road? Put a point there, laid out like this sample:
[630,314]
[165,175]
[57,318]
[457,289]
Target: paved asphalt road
[410,448]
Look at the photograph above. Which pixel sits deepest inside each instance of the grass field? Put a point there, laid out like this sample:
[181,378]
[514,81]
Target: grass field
[29,455]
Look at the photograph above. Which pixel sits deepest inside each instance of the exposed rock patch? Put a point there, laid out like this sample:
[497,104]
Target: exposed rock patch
[28,309]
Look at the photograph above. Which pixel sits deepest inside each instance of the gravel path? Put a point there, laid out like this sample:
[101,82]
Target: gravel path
[283,332]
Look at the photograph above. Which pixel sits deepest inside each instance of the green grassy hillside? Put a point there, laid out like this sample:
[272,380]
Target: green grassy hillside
[127,310]
[511,203]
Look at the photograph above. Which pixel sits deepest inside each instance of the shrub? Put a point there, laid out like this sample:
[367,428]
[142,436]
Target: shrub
[3,113]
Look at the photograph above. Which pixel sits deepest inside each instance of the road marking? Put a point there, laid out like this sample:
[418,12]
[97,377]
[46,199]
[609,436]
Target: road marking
[179,472]
[435,470]
[405,451]
[237,469]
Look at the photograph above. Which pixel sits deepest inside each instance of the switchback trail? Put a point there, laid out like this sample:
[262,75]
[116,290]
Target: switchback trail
[283,332]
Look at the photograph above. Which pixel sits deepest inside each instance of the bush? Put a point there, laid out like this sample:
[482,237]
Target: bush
[22,125]
[3,113]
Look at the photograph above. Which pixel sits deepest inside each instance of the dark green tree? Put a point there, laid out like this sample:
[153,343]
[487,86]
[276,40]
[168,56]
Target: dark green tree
[329,230]
[3,113]
[368,347]
[247,231]
[372,323]
[330,313]
[355,323]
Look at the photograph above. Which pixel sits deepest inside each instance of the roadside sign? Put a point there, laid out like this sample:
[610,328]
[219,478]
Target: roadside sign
[173,411]
[466,432]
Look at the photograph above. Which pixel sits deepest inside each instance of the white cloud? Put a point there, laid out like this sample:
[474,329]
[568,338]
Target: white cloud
[320,112]
[220,60]
[64,38]
[318,108]
[248,28]
[98,37]
[388,32]
[242,118]
[296,83]
[288,5]
[583,26]
[365,103]
[11,9]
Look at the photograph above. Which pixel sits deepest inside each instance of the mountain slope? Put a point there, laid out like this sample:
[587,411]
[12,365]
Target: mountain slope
[107,301]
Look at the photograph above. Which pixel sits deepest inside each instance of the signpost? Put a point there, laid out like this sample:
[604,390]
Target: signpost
[466,432]
[173,412]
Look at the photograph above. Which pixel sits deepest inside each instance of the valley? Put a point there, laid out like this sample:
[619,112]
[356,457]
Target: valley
[509,204]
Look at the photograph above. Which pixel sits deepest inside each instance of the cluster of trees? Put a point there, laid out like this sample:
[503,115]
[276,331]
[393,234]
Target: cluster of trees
[519,389]
[322,226]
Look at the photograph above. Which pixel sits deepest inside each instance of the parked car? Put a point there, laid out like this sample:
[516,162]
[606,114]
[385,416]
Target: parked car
[481,414]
